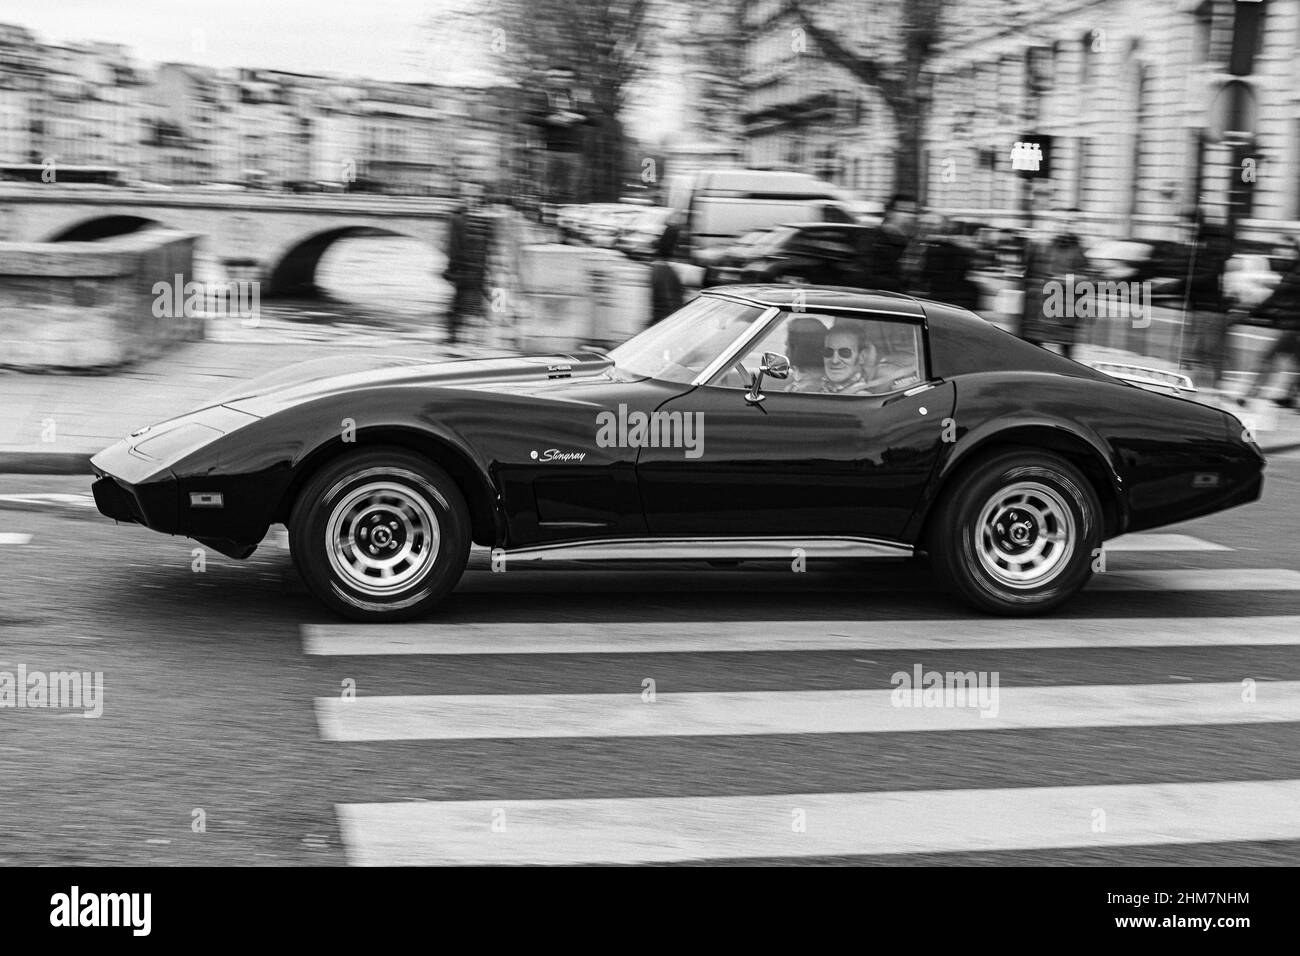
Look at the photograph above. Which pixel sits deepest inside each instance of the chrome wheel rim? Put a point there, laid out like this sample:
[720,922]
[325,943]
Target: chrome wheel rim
[1025,535]
[382,538]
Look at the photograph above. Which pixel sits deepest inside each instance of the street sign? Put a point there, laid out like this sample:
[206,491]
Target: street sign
[1031,156]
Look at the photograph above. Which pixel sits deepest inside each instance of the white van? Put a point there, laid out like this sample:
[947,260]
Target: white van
[715,207]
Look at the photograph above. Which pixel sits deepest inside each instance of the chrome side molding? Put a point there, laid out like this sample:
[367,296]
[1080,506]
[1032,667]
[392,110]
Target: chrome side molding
[712,549]
[1152,379]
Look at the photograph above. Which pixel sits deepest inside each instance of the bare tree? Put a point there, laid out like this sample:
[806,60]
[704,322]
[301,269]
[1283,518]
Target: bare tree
[897,71]
[714,59]
[602,41]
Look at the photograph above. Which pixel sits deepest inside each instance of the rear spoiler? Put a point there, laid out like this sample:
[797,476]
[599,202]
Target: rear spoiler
[1152,379]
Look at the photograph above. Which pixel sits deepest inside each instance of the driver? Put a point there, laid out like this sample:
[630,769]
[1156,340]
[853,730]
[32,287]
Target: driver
[849,360]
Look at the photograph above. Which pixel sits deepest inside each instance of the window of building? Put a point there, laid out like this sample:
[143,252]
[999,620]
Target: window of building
[1040,69]
[1247,36]
[1090,45]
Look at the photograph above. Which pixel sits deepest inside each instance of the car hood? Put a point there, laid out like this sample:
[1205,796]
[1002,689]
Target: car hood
[319,378]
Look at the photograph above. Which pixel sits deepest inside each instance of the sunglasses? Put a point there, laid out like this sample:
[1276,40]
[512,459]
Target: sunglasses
[845,352]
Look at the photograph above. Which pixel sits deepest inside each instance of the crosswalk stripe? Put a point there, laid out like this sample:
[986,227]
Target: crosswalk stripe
[674,637]
[56,498]
[650,830]
[1162,542]
[1198,579]
[704,714]
[9,537]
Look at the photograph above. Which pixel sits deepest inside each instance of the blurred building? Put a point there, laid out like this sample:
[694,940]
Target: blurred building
[336,145]
[803,112]
[274,116]
[83,106]
[20,87]
[1141,109]
[1138,109]
[190,131]
[482,122]
[402,148]
[186,124]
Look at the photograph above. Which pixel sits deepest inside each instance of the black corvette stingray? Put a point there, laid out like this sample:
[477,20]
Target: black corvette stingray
[757,422]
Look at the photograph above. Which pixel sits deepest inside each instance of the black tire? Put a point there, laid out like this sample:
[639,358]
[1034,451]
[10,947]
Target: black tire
[375,510]
[995,536]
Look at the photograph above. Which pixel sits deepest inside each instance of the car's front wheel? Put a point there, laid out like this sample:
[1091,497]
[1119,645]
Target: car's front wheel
[1017,533]
[380,535]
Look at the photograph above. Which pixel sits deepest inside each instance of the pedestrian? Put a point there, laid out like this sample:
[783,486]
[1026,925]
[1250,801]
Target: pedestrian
[1057,258]
[1207,316]
[666,292]
[884,246]
[943,267]
[1281,310]
[469,238]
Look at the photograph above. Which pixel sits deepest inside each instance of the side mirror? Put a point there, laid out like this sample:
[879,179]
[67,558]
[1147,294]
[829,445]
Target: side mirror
[773,364]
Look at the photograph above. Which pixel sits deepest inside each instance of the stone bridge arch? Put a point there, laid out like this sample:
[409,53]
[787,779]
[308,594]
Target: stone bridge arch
[292,270]
[90,228]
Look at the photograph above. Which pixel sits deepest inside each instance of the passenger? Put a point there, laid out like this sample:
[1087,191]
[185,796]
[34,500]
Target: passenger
[805,338]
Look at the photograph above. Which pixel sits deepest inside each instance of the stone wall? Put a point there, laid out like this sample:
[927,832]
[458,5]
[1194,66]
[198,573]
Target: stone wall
[90,305]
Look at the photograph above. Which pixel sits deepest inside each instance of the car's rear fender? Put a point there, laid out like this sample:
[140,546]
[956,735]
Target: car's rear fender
[1068,443]
[984,421]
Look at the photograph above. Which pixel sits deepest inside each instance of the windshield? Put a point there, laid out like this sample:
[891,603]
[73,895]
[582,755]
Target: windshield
[682,345]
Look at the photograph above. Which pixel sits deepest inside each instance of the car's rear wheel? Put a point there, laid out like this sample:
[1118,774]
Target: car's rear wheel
[1017,532]
[380,535]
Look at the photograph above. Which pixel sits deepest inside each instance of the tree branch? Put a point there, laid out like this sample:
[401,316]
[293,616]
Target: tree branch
[866,68]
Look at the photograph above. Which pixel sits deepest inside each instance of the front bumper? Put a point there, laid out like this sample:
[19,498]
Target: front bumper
[114,501]
[136,477]
[154,505]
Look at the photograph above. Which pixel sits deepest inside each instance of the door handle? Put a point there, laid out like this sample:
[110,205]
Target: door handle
[915,390]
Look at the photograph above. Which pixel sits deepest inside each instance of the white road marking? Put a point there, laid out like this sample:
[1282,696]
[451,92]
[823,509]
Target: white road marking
[9,537]
[683,637]
[1188,579]
[1162,542]
[52,498]
[649,830]
[700,714]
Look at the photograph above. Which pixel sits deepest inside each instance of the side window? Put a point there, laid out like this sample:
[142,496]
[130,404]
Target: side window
[840,355]
[810,242]
[835,213]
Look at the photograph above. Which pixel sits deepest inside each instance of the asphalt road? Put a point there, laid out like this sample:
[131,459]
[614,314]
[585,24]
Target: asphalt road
[214,711]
